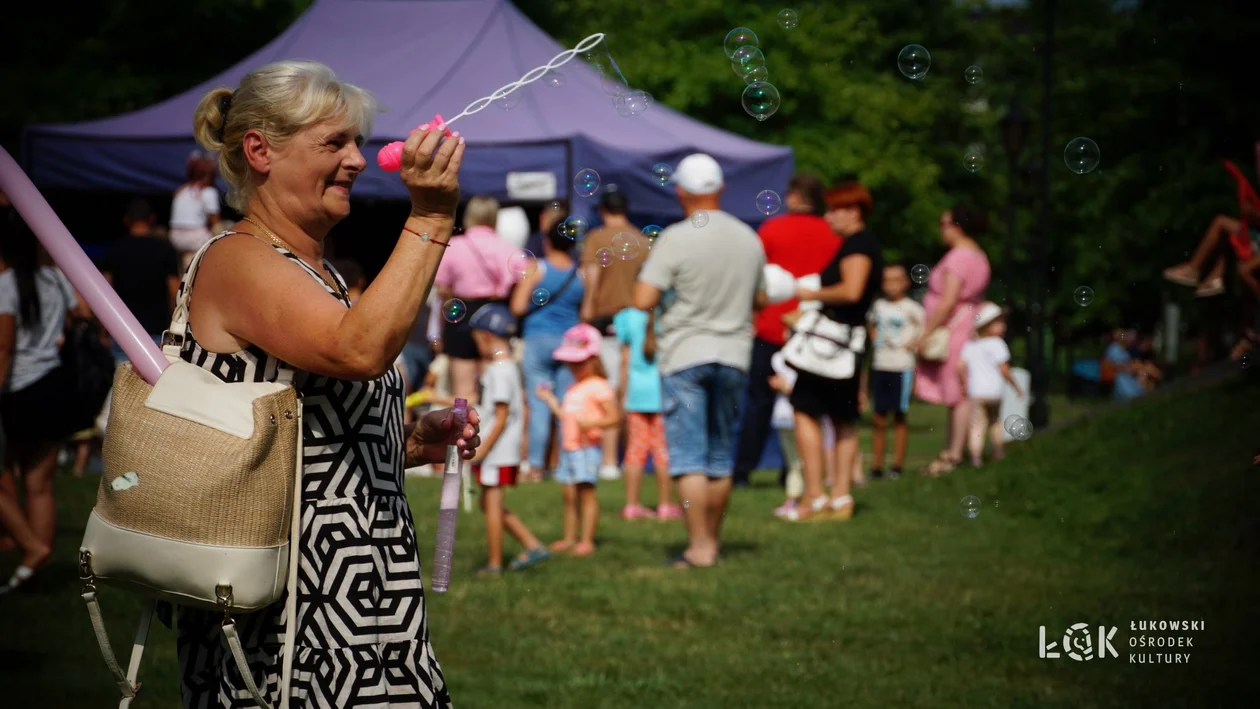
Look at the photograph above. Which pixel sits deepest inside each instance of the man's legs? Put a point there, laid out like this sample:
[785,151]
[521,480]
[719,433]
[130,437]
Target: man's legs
[725,387]
[686,434]
[755,425]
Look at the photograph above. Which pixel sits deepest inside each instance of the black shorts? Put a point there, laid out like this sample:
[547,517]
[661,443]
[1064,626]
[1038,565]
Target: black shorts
[890,391]
[819,397]
[457,340]
[39,412]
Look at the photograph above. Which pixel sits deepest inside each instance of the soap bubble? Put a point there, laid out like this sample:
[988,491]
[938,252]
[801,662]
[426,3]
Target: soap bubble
[454,310]
[760,99]
[768,202]
[522,264]
[973,74]
[553,78]
[636,101]
[625,246]
[604,256]
[973,160]
[1008,424]
[1020,428]
[788,18]
[586,182]
[757,74]
[914,61]
[739,37]
[1081,155]
[1244,360]
[919,273]
[662,172]
[651,231]
[540,296]
[970,506]
[509,101]
[1083,295]
[573,227]
[746,59]
[699,218]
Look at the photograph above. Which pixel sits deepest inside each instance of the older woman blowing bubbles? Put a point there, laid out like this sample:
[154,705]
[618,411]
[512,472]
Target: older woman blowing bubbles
[266,306]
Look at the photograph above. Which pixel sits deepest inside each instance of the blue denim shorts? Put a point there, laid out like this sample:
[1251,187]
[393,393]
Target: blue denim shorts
[580,466]
[701,407]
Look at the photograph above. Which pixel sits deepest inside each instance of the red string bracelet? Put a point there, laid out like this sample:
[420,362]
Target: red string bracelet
[425,237]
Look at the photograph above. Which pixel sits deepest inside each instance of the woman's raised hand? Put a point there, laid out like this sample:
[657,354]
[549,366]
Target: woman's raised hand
[430,171]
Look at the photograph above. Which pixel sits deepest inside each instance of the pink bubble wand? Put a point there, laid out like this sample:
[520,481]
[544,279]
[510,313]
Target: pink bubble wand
[146,358]
[448,512]
[390,156]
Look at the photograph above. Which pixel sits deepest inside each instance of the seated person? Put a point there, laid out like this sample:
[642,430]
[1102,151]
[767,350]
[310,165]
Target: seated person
[1142,362]
[1205,271]
[1118,362]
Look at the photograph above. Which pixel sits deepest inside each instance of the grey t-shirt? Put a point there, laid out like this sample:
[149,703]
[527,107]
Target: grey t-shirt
[501,383]
[36,351]
[708,276]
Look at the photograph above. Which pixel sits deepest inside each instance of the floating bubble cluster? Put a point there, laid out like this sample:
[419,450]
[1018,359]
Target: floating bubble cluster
[760,98]
[586,182]
[969,507]
[747,59]
[1081,155]
[1020,428]
[1083,295]
[914,61]
[454,310]
[768,202]
[919,273]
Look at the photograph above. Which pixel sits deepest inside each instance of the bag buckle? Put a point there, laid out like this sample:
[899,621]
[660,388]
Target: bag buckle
[170,338]
[223,597]
[86,574]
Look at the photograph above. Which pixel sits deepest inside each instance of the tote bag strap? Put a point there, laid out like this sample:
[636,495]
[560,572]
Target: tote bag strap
[173,339]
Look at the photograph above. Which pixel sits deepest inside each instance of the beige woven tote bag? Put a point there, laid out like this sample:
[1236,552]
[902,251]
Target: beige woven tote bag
[199,501]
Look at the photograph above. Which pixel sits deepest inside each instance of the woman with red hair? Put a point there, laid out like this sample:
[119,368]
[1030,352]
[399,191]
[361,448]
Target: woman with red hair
[195,207]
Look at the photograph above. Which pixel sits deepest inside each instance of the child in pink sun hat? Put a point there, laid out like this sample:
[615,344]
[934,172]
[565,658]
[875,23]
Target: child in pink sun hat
[589,407]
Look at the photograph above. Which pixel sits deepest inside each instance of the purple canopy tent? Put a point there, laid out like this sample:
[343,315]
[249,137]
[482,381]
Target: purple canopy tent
[419,58]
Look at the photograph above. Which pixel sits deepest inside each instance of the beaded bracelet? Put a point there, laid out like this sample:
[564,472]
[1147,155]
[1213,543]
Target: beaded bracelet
[425,237]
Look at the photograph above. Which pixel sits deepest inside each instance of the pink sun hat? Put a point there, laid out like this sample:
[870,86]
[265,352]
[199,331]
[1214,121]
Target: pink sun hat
[581,342]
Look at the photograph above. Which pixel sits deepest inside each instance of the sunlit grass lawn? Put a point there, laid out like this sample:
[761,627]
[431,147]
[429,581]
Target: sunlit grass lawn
[1142,513]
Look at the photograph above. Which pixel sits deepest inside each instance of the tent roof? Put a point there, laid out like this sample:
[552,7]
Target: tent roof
[420,58]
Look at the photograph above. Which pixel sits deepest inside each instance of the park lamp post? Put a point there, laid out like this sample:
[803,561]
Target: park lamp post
[1014,126]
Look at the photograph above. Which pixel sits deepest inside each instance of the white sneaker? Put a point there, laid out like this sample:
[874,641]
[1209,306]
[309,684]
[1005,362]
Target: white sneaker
[610,472]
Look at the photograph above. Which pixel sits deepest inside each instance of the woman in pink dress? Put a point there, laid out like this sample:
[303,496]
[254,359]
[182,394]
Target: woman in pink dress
[955,288]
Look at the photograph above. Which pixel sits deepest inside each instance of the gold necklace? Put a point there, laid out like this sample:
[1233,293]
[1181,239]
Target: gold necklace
[282,244]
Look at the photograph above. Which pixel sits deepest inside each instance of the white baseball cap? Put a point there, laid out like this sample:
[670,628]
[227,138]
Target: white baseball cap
[698,174]
[987,314]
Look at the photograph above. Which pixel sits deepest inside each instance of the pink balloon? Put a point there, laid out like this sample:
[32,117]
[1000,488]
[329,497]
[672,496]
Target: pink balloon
[146,357]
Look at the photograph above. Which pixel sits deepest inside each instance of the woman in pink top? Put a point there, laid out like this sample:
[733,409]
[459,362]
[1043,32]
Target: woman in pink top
[955,288]
[476,271]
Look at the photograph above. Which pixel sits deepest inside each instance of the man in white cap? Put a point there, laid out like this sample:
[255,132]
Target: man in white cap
[711,264]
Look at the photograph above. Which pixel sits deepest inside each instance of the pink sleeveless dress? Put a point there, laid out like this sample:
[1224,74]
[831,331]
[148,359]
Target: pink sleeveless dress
[938,382]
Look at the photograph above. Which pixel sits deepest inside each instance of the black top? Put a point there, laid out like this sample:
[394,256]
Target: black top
[863,243]
[140,267]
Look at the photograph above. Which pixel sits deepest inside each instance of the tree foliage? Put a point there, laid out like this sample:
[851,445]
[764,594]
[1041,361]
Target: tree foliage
[1152,82]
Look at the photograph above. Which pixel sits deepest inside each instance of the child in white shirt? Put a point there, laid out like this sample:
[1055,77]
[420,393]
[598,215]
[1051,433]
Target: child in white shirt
[984,365]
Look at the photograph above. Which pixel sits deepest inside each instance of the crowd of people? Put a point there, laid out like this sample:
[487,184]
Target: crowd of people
[570,357]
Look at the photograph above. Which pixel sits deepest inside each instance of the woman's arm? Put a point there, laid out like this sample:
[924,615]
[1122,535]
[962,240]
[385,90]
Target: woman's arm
[258,297]
[949,298]
[519,302]
[855,269]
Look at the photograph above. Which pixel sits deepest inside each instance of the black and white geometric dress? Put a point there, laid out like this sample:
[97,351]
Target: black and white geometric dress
[362,637]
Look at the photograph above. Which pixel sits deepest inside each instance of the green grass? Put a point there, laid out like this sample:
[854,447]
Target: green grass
[1141,513]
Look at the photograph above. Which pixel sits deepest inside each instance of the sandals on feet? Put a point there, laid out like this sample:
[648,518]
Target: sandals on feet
[528,558]
[1182,276]
[815,511]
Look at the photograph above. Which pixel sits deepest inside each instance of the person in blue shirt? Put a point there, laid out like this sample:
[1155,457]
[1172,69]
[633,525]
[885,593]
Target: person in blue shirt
[640,384]
[1128,371]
